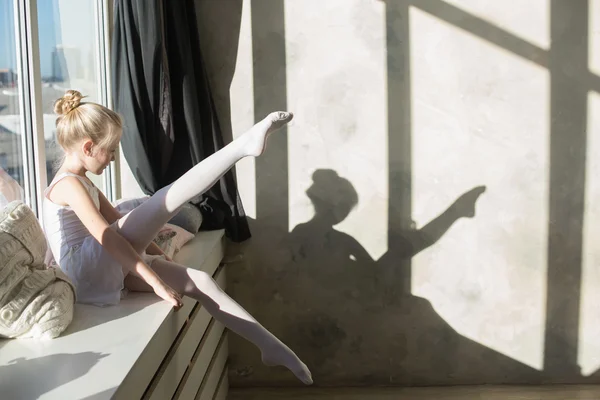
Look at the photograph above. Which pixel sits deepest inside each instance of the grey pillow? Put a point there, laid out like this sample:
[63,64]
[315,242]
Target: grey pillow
[188,218]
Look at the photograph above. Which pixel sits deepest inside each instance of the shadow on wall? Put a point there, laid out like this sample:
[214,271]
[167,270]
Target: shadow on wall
[351,307]
[337,308]
[353,319]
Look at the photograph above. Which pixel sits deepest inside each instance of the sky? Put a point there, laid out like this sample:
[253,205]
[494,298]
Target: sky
[78,13]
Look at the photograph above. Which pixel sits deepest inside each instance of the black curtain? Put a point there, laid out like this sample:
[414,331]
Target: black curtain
[161,89]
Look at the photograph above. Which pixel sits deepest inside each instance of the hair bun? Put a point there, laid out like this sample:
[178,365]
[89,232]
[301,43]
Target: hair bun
[68,102]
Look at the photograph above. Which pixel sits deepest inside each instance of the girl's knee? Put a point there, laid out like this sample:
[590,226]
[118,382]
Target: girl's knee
[201,278]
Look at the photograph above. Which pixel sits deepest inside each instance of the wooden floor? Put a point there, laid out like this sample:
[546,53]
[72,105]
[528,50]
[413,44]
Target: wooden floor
[576,392]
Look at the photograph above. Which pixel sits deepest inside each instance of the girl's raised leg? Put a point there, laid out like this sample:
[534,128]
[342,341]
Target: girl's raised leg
[141,225]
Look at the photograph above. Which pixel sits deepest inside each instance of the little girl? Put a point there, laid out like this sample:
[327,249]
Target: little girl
[103,252]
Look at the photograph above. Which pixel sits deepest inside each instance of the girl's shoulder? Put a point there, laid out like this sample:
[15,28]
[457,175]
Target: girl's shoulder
[61,186]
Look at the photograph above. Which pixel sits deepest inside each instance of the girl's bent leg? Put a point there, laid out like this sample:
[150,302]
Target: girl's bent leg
[201,287]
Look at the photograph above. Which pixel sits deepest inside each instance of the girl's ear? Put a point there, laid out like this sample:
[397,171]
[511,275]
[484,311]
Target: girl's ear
[86,147]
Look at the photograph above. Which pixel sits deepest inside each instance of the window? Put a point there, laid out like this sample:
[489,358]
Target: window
[47,47]
[13,147]
[68,60]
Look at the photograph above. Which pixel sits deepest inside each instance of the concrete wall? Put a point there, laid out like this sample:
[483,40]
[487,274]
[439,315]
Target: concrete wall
[430,215]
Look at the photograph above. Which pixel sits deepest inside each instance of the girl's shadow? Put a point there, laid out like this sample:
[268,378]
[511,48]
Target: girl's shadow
[340,305]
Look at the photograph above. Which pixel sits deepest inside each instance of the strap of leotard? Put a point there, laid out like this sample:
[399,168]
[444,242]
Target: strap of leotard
[59,177]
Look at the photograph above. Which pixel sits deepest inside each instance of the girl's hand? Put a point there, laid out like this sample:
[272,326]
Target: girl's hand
[165,292]
[153,249]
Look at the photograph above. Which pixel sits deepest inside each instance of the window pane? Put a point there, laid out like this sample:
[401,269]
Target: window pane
[12,171]
[68,60]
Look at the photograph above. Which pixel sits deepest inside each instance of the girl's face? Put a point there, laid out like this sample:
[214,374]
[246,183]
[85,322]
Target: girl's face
[98,158]
[103,158]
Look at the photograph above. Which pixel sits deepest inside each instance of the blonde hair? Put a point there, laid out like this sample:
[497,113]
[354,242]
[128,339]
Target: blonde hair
[78,121]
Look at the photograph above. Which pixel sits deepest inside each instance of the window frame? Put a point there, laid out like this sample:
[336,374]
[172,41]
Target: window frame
[29,89]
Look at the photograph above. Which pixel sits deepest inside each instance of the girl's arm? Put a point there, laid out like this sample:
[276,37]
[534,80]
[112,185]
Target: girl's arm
[111,215]
[107,210]
[70,191]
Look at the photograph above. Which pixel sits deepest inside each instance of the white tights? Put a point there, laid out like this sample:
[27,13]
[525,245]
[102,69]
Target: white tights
[141,225]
